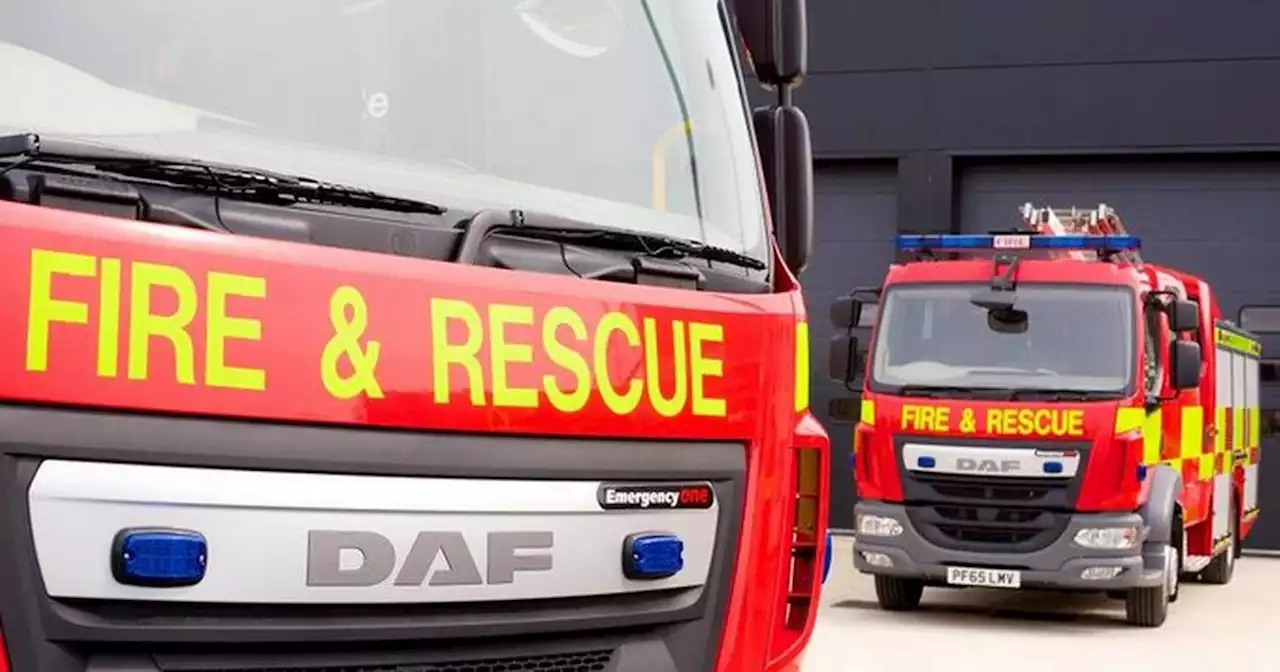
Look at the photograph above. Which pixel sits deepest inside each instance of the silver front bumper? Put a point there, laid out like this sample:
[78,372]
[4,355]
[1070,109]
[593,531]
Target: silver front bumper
[1058,565]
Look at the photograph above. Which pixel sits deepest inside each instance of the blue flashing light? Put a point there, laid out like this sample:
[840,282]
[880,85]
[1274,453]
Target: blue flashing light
[159,558]
[926,462]
[1053,467]
[652,555]
[1142,472]
[826,560]
[1015,242]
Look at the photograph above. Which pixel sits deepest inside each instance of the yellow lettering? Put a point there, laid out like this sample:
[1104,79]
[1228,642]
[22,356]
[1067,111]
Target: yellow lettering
[910,415]
[1026,421]
[43,309]
[702,367]
[465,354]
[621,403]
[502,353]
[667,407]
[916,418]
[1075,422]
[993,424]
[143,324]
[1035,422]
[109,319]
[221,327]
[567,358]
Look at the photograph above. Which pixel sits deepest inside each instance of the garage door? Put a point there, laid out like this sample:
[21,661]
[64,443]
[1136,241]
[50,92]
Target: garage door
[856,218]
[1219,220]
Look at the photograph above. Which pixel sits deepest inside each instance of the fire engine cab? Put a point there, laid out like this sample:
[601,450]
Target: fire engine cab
[1044,408]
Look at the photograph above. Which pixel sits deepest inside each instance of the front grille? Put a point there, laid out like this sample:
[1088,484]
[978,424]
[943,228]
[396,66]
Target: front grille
[988,528]
[583,661]
[993,514]
[1004,491]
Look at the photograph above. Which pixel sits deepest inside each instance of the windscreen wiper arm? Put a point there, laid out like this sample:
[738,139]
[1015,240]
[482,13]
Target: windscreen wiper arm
[224,180]
[523,224]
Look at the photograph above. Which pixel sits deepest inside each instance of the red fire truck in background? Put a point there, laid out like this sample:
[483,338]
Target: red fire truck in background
[1045,408]
[405,335]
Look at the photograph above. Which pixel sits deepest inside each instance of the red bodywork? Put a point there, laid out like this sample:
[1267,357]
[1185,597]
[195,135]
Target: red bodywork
[254,320]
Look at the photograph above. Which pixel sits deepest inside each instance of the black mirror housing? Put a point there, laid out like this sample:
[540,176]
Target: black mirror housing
[1183,316]
[786,154]
[842,359]
[845,312]
[1184,365]
[776,34]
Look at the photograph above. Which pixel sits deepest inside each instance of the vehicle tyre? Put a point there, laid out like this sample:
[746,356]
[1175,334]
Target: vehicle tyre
[898,594]
[1149,607]
[1223,565]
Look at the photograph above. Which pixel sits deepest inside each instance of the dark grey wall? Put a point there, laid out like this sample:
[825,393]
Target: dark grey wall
[928,80]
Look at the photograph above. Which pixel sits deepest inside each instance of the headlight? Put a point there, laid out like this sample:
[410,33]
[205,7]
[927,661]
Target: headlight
[878,526]
[1109,538]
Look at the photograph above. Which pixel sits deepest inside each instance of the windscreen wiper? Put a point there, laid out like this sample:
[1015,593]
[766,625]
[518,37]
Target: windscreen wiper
[956,391]
[223,180]
[523,224]
[1065,394]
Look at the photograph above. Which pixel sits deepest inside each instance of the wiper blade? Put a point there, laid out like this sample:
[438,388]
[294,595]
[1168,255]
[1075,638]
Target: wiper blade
[525,224]
[224,180]
[1065,394]
[956,391]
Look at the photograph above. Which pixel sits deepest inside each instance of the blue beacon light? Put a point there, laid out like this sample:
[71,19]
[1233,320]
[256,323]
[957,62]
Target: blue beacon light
[652,555]
[1110,242]
[159,557]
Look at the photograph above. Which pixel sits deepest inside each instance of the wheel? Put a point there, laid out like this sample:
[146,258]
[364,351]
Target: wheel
[898,594]
[1223,564]
[1149,607]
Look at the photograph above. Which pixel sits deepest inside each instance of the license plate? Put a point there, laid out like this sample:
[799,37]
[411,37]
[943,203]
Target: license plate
[985,578]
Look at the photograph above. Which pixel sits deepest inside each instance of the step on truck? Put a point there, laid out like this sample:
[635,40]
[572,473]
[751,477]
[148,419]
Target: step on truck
[391,335]
[1044,408]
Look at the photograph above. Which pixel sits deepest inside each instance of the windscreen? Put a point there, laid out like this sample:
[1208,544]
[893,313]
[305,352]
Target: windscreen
[626,113]
[1074,338]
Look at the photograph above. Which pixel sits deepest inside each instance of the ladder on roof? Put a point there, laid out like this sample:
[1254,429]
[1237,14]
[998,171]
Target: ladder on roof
[1100,221]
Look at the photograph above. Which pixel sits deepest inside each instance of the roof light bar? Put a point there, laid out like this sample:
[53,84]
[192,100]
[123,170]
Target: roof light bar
[1018,242]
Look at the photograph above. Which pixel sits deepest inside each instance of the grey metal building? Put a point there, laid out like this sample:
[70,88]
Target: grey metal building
[944,116]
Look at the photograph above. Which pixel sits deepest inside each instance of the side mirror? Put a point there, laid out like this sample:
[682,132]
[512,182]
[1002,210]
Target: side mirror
[843,359]
[1184,365]
[1183,316]
[786,154]
[845,312]
[776,35]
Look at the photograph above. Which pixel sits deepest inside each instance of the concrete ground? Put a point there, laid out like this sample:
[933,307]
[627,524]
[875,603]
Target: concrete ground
[1232,628]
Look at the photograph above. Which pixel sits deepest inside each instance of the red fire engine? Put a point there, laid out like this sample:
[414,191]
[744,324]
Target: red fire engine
[1052,411]
[416,349]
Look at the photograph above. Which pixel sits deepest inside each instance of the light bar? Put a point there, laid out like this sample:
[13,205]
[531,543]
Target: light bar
[1018,242]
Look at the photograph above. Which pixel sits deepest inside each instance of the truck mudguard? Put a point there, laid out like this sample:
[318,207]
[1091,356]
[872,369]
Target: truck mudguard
[1157,513]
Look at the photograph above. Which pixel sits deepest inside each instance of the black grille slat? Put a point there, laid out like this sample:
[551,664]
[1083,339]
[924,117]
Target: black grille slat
[583,661]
